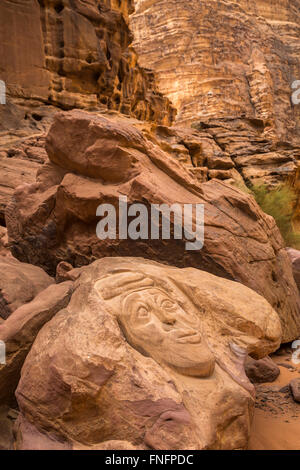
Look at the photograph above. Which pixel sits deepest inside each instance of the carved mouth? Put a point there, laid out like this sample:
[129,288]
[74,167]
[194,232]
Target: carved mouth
[186,336]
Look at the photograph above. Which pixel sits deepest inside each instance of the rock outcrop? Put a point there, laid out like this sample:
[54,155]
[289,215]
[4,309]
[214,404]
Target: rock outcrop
[94,160]
[19,331]
[65,54]
[19,284]
[148,354]
[224,59]
[229,67]
[75,54]
[18,165]
[79,54]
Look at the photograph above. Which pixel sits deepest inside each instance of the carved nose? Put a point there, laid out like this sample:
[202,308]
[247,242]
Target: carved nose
[167,317]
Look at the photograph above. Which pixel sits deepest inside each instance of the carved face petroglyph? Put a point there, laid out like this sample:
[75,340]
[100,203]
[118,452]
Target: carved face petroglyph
[155,324]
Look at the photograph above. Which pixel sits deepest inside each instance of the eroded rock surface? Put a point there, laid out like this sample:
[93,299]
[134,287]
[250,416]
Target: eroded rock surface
[19,284]
[229,67]
[295,389]
[261,370]
[75,54]
[295,258]
[19,331]
[94,160]
[224,59]
[146,353]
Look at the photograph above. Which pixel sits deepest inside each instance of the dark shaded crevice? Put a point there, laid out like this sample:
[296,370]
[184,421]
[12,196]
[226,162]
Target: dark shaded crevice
[2,220]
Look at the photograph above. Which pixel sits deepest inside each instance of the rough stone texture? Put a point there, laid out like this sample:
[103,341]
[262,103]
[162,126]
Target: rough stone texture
[258,159]
[261,370]
[3,242]
[295,258]
[13,173]
[75,54]
[150,354]
[19,284]
[29,438]
[224,59]
[54,219]
[79,54]
[19,331]
[295,388]
[229,66]
[6,428]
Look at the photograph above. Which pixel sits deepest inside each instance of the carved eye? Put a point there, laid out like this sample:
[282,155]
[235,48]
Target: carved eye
[168,304]
[142,312]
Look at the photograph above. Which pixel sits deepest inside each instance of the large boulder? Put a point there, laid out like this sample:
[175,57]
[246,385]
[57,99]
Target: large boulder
[19,284]
[149,354]
[94,160]
[19,331]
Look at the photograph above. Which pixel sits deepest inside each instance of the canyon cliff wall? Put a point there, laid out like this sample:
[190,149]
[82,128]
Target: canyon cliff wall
[224,58]
[228,67]
[74,53]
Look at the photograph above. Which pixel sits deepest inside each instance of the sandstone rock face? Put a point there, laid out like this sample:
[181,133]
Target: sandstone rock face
[148,354]
[94,160]
[258,158]
[3,242]
[295,258]
[230,67]
[227,59]
[261,370]
[19,284]
[13,173]
[19,331]
[6,426]
[75,54]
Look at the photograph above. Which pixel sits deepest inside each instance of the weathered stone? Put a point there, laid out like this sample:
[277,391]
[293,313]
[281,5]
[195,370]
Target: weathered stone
[229,67]
[3,242]
[231,60]
[295,258]
[13,173]
[19,284]
[261,370]
[55,219]
[6,428]
[75,54]
[150,354]
[295,388]
[19,331]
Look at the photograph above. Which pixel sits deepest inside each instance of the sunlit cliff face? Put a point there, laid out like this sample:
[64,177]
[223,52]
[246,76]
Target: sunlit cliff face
[222,59]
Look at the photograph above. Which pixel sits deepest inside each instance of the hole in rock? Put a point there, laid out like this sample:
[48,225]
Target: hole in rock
[59,8]
[2,220]
[37,117]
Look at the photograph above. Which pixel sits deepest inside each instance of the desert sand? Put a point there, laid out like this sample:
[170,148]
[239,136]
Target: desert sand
[276,424]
